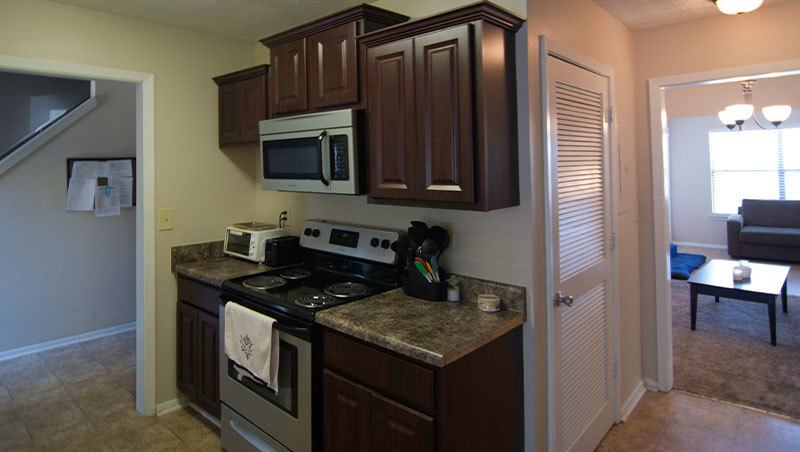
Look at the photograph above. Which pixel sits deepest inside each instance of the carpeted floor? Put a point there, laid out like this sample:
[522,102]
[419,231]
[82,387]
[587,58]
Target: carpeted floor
[729,356]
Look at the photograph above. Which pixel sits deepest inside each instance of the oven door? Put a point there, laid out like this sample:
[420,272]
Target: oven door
[285,415]
[318,161]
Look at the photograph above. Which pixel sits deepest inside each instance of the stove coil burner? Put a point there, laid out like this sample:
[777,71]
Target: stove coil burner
[296,273]
[265,282]
[346,290]
[314,300]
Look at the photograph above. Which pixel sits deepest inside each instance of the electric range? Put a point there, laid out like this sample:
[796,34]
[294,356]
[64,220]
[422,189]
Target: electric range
[339,263]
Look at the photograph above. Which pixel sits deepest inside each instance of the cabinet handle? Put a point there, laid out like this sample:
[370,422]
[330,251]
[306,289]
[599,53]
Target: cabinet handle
[320,173]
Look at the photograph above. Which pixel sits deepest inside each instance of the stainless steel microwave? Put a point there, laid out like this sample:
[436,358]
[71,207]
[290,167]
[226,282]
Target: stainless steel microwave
[315,153]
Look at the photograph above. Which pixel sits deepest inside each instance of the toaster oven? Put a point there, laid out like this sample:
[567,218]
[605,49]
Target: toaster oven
[248,240]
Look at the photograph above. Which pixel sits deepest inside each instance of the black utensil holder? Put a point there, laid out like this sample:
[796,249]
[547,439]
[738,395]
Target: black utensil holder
[415,285]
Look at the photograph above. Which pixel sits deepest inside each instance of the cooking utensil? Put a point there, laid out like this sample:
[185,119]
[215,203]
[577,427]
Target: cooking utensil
[418,232]
[435,267]
[440,236]
[423,271]
[428,249]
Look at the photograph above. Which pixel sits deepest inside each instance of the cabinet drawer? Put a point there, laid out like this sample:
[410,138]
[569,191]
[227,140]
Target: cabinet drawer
[199,295]
[395,377]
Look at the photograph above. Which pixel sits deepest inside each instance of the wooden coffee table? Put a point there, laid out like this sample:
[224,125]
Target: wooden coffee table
[766,282]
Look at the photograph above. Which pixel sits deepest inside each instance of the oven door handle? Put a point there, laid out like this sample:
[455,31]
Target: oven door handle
[292,329]
[320,171]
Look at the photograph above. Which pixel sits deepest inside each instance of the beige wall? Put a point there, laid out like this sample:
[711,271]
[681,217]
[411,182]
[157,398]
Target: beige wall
[770,34]
[208,188]
[67,273]
[707,100]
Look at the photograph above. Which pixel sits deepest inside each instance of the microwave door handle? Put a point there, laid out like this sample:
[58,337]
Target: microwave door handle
[320,150]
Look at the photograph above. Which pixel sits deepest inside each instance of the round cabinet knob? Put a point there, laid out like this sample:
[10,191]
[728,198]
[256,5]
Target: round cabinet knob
[385,244]
[374,242]
[307,232]
[315,233]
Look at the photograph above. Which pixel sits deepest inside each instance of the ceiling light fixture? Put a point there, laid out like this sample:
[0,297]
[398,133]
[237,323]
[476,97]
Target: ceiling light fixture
[737,6]
[737,114]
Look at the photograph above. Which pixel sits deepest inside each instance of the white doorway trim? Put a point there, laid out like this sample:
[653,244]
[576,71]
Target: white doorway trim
[549,47]
[145,216]
[659,150]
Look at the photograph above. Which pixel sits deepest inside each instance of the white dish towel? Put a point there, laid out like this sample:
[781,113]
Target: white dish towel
[252,342]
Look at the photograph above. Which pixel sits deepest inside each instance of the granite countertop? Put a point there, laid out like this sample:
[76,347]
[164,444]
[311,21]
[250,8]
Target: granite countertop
[436,333]
[215,270]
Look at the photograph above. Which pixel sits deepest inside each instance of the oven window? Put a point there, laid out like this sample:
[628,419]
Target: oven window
[286,397]
[295,158]
[239,244]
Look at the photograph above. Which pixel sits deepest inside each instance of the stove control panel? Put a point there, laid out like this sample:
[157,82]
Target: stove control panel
[363,242]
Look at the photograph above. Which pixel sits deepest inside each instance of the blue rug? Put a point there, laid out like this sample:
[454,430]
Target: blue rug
[683,264]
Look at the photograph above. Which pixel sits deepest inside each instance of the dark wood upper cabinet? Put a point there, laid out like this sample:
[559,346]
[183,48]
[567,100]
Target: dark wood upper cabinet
[288,91]
[464,154]
[390,118]
[242,104]
[316,66]
[444,117]
[332,63]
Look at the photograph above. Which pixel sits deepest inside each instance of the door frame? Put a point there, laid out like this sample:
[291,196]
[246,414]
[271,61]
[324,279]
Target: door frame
[659,154]
[145,213]
[549,47]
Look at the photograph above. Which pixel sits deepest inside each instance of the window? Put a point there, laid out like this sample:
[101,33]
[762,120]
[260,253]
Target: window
[757,164]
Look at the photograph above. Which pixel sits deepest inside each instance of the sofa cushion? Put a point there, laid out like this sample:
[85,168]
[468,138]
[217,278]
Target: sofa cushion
[778,213]
[763,235]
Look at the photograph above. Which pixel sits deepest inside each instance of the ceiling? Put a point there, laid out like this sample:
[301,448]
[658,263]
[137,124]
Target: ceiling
[641,14]
[244,19]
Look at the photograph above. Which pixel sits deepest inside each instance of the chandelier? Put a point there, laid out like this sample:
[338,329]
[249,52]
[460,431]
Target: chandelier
[736,114]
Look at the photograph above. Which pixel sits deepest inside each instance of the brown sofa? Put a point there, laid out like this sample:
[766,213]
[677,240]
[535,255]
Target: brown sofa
[765,229]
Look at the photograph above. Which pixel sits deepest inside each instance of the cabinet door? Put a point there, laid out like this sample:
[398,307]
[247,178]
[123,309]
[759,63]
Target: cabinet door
[390,122]
[208,362]
[187,349]
[332,67]
[252,108]
[396,428]
[346,415]
[444,115]
[229,130]
[288,77]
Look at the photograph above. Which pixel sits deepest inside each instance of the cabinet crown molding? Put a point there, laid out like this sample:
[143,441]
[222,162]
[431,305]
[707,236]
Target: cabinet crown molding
[485,11]
[244,74]
[361,12]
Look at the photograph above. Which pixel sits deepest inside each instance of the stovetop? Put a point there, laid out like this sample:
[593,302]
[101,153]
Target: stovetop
[302,290]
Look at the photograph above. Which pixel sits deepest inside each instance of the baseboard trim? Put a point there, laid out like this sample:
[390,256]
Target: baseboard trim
[633,400]
[171,405]
[651,385]
[205,414]
[83,337]
[702,245]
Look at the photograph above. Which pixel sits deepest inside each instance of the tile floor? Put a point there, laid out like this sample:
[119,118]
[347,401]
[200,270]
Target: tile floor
[679,421]
[82,397]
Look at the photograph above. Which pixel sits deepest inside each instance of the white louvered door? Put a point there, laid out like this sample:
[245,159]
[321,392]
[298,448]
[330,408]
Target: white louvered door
[581,268]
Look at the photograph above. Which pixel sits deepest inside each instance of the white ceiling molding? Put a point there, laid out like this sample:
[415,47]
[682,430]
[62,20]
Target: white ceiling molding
[641,14]
[250,20]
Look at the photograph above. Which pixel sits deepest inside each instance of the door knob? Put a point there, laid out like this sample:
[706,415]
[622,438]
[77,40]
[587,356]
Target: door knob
[560,299]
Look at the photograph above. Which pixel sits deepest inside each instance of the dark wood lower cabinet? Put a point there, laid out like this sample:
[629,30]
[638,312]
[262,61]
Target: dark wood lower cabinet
[198,344]
[375,400]
[347,413]
[396,428]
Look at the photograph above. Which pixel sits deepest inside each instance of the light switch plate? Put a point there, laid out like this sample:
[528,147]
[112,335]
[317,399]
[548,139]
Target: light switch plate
[165,219]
